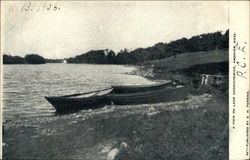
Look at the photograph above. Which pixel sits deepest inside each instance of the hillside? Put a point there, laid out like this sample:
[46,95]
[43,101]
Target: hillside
[190,59]
[204,42]
[186,65]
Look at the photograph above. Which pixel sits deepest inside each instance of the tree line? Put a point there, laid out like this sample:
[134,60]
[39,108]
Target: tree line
[203,42]
[95,57]
[28,59]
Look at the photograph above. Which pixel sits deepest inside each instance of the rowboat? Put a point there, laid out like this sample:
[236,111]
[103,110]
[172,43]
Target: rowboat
[120,89]
[94,99]
[122,94]
[149,94]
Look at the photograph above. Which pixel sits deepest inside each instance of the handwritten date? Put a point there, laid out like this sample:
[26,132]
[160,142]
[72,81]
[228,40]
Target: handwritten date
[38,7]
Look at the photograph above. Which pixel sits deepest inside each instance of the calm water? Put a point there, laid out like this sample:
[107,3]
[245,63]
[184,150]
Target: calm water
[24,86]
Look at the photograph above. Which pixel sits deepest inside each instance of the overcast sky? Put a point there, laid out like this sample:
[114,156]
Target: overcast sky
[82,26]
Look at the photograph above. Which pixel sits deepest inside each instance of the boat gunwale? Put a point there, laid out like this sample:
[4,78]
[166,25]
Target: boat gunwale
[142,86]
[73,96]
[83,98]
[146,93]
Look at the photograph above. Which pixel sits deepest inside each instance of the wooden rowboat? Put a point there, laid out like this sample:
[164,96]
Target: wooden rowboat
[87,100]
[164,93]
[140,88]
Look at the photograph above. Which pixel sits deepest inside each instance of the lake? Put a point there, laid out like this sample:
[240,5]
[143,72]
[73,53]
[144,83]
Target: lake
[24,86]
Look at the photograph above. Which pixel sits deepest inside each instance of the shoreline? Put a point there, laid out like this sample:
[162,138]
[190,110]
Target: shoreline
[191,129]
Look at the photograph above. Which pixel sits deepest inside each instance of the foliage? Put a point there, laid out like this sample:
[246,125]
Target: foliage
[8,59]
[34,59]
[203,42]
[95,57]
[53,60]
[28,59]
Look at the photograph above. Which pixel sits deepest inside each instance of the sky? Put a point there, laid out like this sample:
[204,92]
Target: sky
[78,27]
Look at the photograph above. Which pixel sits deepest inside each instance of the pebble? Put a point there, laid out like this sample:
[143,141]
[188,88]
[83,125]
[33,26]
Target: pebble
[77,116]
[115,151]
[104,108]
[152,113]
[105,149]
[123,145]
[151,109]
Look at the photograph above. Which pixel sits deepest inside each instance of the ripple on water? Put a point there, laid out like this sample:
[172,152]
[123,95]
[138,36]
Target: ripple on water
[24,86]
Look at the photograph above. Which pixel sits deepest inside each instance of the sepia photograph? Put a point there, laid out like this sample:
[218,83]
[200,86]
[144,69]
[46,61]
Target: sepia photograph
[115,80]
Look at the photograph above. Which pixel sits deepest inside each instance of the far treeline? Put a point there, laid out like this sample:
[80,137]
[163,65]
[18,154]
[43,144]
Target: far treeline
[203,42]
[28,59]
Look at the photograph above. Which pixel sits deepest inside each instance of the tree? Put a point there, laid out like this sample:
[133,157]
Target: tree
[224,41]
[8,59]
[34,59]
[111,58]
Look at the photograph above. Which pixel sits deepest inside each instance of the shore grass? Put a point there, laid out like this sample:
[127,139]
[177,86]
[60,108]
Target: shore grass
[186,134]
[198,133]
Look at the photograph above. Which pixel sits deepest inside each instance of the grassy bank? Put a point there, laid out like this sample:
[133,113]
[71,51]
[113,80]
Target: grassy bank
[189,59]
[184,65]
[192,129]
[187,134]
